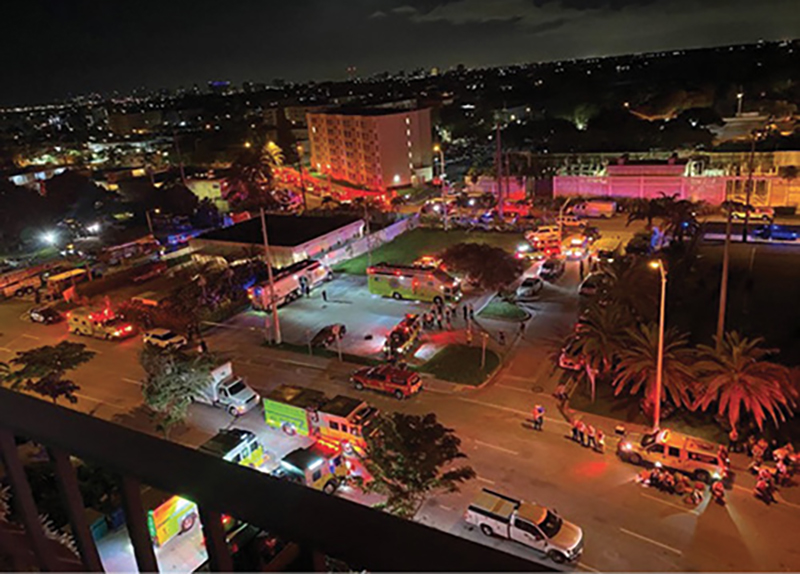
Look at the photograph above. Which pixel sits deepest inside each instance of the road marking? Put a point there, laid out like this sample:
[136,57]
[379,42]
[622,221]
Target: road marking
[587,567]
[785,502]
[132,381]
[668,503]
[100,402]
[651,541]
[525,414]
[30,337]
[448,508]
[486,480]
[500,448]
[513,388]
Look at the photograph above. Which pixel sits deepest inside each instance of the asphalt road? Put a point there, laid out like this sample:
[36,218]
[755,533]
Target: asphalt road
[627,527]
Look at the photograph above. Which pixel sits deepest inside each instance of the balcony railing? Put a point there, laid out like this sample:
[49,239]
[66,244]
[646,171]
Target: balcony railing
[325,525]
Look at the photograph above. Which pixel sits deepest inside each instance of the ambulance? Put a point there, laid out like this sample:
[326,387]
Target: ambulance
[236,445]
[321,466]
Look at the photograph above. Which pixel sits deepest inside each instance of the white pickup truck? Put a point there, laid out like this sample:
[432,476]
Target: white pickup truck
[529,524]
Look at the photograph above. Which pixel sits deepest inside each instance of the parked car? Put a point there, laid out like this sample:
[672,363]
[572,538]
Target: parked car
[551,269]
[529,288]
[593,284]
[570,358]
[739,211]
[164,339]
[543,233]
[401,383]
[773,231]
[45,315]
[327,335]
[572,221]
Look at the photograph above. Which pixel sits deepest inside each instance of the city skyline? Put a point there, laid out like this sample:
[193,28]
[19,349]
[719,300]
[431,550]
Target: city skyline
[84,47]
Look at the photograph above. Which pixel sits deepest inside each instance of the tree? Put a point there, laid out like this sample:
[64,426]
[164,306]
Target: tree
[680,217]
[491,267]
[249,183]
[646,210]
[41,370]
[410,457]
[739,378]
[172,381]
[638,365]
[178,199]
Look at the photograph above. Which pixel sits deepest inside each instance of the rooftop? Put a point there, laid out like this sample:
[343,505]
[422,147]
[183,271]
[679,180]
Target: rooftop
[225,441]
[284,230]
[297,396]
[341,405]
[348,111]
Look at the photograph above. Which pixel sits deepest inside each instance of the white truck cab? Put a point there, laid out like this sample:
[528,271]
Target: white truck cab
[529,524]
[225,390]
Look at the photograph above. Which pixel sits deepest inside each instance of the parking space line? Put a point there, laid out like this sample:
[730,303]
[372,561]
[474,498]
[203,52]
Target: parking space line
[587,567]
[500,448]
[668,503]
[513,388]
[132,381]
[651,541]
[525,414]
[486,480]
[30,337]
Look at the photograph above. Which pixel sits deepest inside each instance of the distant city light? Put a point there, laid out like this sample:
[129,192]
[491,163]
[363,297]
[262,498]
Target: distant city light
[93,228]
[49,237]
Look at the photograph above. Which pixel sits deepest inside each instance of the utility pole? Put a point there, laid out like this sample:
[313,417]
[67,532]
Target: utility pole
[723,286]
[499,171]
[749,185]
[180,157]
[272,306]
[368,234]
[660,358]
[300,173]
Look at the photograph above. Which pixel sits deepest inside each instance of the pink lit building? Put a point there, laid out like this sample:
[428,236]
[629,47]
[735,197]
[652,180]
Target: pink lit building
[377,149]
[685,178]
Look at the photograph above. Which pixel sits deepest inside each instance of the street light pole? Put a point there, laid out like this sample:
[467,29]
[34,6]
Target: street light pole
[749,185]
[272,304]
[443,176]
[561,219]
[660,358]
[300,172]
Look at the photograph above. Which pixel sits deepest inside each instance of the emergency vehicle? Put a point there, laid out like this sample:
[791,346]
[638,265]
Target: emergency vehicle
[101,324]
[341,420]
[409,282]
[319,466]
[168,516]
[696,457]
[290,283]
[402,338]
[236,445]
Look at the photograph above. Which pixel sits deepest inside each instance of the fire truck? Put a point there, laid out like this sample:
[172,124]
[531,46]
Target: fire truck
[290,283]
[341,420]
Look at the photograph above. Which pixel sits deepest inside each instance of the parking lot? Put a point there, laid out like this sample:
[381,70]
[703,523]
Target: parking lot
[368,318]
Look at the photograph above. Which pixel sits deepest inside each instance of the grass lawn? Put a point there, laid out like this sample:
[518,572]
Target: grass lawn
[503,310]
[410,246]
[625,408]
[461,364]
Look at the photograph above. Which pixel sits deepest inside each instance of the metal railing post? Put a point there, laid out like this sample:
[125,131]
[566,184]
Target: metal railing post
[219,558]
[25,504]
[71,496]
[131,490]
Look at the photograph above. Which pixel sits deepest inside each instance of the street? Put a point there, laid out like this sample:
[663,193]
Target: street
[627,527]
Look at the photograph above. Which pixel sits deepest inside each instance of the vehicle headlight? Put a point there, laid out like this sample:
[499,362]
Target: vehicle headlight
[626,446]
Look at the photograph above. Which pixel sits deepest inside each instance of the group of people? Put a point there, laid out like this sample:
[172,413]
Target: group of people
[587,435]
[443,315]
[680,484]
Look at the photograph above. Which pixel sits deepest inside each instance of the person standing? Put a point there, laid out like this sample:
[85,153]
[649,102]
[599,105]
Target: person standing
[601,441]
[471,312]
[465,309]
[469,337]
[575,435]
[324,295]
[581,433]
[590,437]
[522,329]
[538,417]
[733,440]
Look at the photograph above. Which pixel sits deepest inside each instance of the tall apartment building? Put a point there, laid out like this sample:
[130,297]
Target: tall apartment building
[375,148]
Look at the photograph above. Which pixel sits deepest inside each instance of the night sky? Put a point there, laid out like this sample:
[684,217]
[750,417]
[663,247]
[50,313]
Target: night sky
[52,49]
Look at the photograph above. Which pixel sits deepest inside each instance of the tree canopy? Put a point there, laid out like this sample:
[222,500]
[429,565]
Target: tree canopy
[411,456]
[491,267]
[41,370]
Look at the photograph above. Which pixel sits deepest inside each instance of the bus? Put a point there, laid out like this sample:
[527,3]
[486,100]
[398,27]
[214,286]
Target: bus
[417,283]
[57,284]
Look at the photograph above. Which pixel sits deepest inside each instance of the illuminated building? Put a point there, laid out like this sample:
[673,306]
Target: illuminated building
[375,148]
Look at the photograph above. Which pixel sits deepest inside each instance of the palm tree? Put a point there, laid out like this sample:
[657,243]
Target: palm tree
[249,183]
[680,218]
[638,362]
[645,210]
[739,378]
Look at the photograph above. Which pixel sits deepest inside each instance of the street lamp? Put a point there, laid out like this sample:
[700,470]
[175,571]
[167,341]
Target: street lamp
[149,219]
[561,219]
[739,98]
[443,176]
[49,237]
[659,264]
